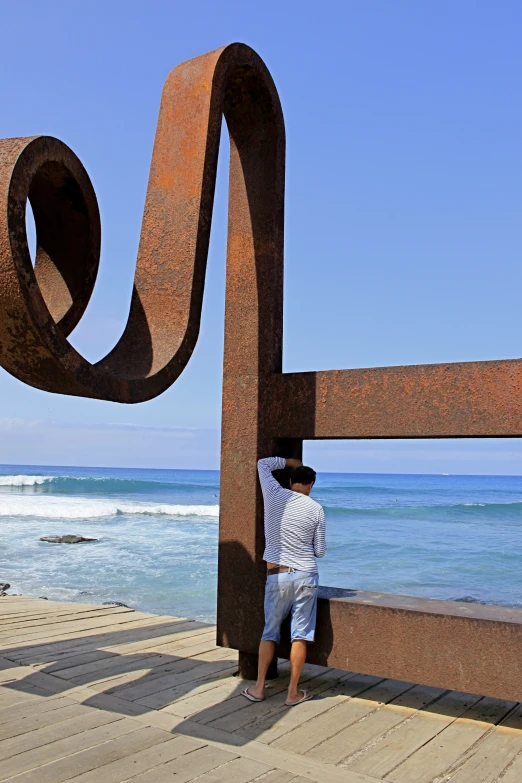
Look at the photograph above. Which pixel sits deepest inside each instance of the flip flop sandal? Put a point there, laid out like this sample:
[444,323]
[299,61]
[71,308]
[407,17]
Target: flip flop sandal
[249,696]
[306,697]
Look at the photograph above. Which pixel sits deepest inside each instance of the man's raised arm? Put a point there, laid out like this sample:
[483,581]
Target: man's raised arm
[267,465]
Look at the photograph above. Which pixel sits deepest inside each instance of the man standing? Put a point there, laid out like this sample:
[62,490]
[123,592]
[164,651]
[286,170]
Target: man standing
[294,537]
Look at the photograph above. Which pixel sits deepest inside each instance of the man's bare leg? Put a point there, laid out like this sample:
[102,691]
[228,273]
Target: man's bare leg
[297,661]
[266,653]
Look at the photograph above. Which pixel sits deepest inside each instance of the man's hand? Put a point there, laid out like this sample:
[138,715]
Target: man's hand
[293,463]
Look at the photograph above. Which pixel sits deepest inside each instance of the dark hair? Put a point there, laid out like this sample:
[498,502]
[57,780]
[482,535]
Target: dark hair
[303,475]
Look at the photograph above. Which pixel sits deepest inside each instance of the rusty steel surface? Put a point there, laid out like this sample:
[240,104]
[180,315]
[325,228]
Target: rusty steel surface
[265,411]
[40,308]
[445,644]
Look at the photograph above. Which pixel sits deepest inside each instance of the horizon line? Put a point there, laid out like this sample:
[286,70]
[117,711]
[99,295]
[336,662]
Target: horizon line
[217,470]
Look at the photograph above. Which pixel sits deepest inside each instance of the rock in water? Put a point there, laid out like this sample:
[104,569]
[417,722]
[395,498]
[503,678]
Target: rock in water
[469,599]
[4,586]
[68,539]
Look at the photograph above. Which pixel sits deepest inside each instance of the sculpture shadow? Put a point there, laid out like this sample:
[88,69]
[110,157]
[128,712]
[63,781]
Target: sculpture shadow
[237,719]
[140,670]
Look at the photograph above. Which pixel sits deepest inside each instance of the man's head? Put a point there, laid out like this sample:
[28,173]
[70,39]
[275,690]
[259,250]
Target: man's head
[302,480]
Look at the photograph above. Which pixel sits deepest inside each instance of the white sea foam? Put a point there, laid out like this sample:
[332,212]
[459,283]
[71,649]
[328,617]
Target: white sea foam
[24,481]
[94,508]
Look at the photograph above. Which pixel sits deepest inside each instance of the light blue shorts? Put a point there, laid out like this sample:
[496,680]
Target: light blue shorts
[291,593]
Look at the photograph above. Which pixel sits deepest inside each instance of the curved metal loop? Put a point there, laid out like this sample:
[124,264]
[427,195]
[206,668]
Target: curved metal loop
[40,307]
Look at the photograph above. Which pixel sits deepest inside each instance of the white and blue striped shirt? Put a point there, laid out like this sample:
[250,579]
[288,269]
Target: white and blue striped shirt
[294,523]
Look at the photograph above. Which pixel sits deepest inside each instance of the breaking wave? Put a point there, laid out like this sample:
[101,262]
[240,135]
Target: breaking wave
[24,481]
[94,508]
[96,485]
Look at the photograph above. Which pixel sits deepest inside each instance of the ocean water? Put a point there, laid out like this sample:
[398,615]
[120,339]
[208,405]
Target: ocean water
[450,537]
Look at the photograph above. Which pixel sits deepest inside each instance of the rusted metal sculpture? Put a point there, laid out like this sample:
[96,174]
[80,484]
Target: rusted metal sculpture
[264,410]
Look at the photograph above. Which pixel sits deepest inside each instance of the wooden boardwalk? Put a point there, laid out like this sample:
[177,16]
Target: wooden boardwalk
[102,694]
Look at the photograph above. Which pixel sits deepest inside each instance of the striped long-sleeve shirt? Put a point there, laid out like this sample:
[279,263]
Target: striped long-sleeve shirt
[294,523]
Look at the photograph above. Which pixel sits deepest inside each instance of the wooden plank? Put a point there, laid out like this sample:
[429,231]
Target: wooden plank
[401,743]
[26,709]
[26,635]
[226,716]
[112,667]
[113,634]
[162,699]
[83,641]
[208,706]
[199,645]
[7,620]
[194,646]
[47,683]
[6,664]
[120,681]
[281,720]
[95,757]
[190,689]
[63,664]
[446,748]
[38,757]
[187,767]
[64,629]
[179,638]
[44,605]
[279,776]
[514,771]
[42,624]
[89,661]
[358,735]
[267,725]
[18,604]
[20,692]
[115,620]
[128,667]
[487,760]
[376,723]
[117,682]
[193,629]
[164,683]
[177,662]
[312,732]
[71,630]
[10,674]
[58,619]
[137,762]
[240,770]
[37,720]
[290,762]
[195,705]
[83,720]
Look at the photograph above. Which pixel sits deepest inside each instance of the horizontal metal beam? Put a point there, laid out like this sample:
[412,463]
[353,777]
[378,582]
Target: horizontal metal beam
[461,400]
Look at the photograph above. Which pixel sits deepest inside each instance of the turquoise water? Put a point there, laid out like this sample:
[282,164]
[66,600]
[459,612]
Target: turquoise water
[448,537]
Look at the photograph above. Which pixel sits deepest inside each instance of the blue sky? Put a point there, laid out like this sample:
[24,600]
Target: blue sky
[403,212]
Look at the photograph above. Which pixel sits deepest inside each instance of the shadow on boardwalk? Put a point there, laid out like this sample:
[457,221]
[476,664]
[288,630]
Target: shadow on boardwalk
[193,684]
[79,681]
